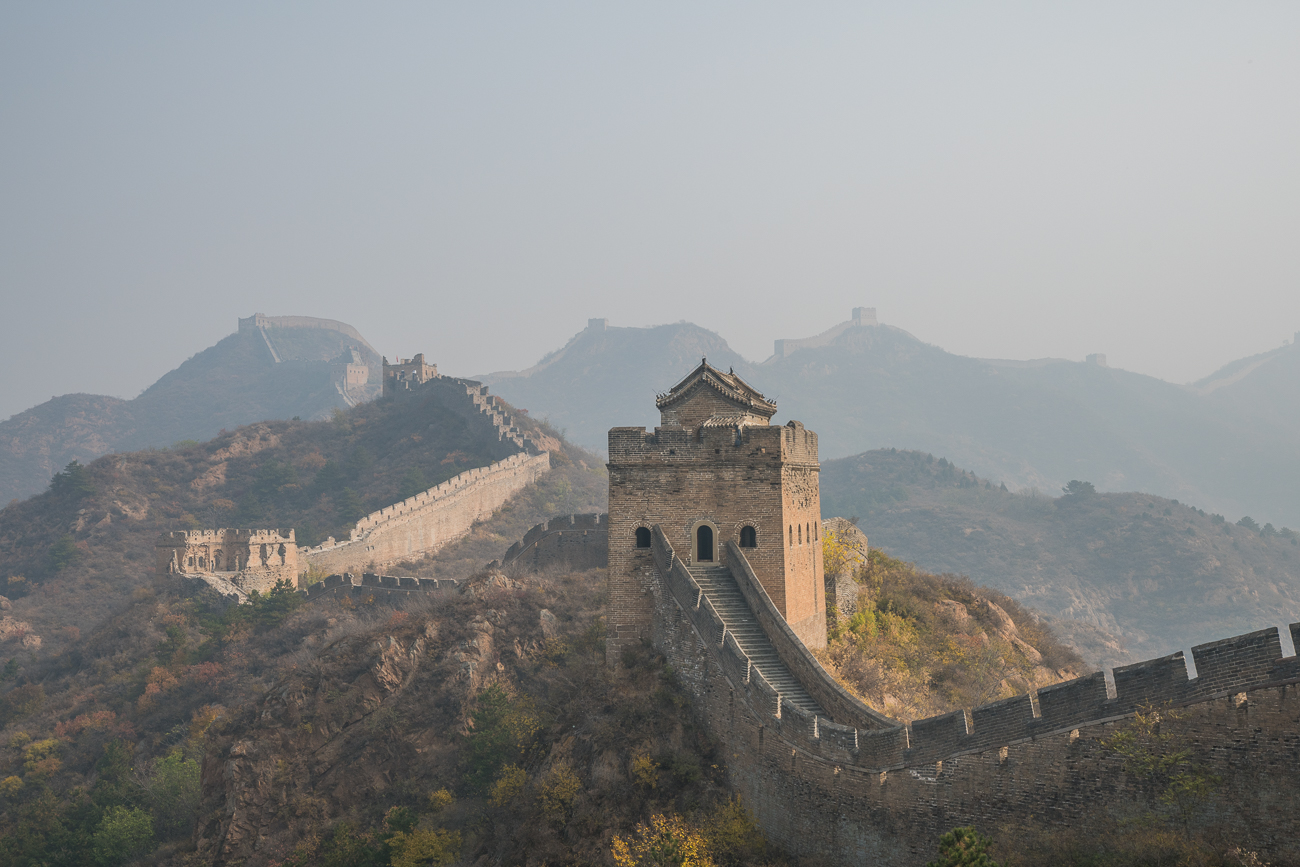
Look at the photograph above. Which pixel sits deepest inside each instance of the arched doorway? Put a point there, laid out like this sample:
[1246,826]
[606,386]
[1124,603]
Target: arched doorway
[704,543]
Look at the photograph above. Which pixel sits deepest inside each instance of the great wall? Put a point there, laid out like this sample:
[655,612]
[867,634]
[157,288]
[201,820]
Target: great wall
[417,525]
[349,374]
[824,774]
[433,518]
[852,786]
[430,519]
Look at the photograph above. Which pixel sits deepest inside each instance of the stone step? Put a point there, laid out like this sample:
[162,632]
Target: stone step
[727,600]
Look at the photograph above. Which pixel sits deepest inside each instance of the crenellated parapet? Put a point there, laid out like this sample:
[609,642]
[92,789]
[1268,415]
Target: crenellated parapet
[430,519]
[370,587]
[414,378]
[850,786]
[737,606]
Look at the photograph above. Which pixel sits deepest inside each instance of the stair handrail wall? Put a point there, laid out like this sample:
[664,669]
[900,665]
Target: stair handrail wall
[697,608]
[841,704]
[873,748]
[1233,665]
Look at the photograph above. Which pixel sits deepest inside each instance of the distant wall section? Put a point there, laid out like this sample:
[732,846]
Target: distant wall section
[257,320]
[861,317]
[431,519]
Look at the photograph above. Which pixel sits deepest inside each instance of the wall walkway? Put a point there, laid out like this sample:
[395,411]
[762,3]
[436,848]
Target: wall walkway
[858,787]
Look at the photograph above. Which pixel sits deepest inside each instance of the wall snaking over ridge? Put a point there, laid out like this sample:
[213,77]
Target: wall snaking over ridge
[854,793]
[430,519]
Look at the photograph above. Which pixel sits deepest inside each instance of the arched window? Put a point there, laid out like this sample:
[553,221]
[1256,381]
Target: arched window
[748,537]
[704,543]
[643,537]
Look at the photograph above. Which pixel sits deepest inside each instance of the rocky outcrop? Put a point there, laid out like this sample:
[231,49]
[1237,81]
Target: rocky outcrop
[340,731]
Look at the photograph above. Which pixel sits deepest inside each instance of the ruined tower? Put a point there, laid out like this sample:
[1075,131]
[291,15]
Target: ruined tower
[714,471]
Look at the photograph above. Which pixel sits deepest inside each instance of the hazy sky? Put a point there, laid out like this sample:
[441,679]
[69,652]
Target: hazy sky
[475,180]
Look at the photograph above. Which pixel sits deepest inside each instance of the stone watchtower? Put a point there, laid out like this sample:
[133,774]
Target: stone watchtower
[715,470]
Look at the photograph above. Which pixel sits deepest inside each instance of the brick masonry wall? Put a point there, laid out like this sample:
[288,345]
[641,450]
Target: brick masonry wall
[577,542]
[759,476]
[885,795]
[431,519]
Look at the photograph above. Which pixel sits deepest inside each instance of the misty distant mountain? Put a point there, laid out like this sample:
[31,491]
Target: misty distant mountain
[606,373]
[1158,574]
[1264,386]
[272,368]
[1232,449]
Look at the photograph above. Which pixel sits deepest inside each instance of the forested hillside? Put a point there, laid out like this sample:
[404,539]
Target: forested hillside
[91,536]
[1159,574]
[112,679]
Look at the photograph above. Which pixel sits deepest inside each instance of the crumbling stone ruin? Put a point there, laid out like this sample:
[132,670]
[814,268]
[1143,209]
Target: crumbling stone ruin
[706,562]
[246,559]
[408,374]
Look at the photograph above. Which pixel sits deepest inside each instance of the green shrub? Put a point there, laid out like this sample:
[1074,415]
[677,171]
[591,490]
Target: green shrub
[173,790]
[63,553]
[124,833]
[73,483]
[963,847]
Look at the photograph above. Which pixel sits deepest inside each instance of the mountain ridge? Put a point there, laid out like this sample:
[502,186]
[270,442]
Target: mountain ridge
[245,377]
[1034,423]
[1160,574]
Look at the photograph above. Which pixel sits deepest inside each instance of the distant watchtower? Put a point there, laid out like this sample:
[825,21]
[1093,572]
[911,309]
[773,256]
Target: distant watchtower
[715,470]
[408,374]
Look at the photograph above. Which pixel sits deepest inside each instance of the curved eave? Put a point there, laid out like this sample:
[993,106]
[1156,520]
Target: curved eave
[763,406]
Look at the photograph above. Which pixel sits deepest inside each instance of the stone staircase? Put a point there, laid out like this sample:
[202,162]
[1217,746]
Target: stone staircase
[719,585]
